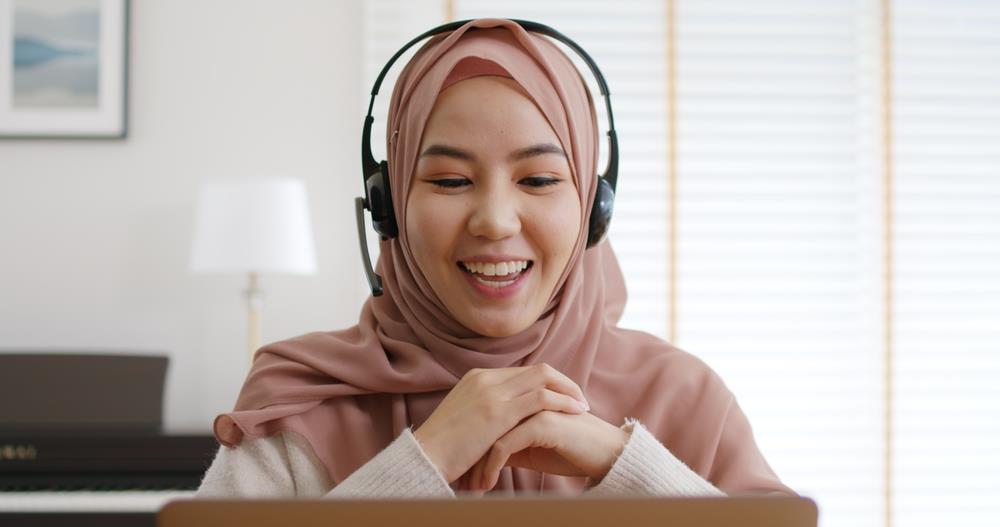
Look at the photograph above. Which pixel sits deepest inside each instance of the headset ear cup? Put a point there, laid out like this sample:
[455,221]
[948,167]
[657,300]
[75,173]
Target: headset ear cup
[380,203]
[390,227]
[600,212]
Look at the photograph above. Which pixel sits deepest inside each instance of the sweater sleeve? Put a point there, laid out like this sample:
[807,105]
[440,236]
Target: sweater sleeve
[646,468]
[284,466]
[402,470]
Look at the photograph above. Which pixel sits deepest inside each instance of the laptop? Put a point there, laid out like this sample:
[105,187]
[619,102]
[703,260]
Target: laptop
[495,512]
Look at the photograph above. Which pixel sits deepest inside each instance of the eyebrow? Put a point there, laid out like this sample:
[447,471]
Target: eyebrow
[517,155]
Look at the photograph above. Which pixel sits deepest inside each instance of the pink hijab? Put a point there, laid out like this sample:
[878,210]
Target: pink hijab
[351,392]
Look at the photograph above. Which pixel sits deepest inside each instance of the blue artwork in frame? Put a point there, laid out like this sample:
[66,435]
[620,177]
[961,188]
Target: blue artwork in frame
[63,68]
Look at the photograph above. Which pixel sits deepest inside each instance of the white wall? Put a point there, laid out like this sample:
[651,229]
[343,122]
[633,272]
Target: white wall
[95,235]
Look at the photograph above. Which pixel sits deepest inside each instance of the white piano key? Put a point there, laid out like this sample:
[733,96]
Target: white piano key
[89,501]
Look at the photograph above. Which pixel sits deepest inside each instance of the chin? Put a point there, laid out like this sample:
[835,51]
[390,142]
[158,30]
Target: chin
[499,328]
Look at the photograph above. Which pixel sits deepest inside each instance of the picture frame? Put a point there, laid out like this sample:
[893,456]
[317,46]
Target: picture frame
[64,69]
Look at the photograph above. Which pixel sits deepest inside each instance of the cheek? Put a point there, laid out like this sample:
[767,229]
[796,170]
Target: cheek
[557,225]
[430,227]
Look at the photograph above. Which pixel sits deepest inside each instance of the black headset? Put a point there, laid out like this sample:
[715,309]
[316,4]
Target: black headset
[378,195]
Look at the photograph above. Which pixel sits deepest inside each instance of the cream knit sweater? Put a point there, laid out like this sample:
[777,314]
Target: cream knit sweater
[284,466]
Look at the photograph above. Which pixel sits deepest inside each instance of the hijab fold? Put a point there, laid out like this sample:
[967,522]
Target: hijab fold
[349,393]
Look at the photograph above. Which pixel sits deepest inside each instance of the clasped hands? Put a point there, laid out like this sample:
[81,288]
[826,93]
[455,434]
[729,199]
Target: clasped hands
[531,417]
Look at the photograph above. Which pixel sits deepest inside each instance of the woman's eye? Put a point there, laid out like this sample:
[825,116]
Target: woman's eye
[450,182]
[540,181]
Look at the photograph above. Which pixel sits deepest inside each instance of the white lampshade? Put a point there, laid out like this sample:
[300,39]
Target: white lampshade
[256,225]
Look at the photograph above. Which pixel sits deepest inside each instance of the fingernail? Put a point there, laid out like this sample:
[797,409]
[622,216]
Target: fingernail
[584,404]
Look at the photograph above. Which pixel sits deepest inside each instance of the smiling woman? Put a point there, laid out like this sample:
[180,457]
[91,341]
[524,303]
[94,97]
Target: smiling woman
[493,361]
[494,211]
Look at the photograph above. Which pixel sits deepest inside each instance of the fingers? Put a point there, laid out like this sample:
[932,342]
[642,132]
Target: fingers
[544,399]
[520,438]
[543,375]
[476,476]
[487,403]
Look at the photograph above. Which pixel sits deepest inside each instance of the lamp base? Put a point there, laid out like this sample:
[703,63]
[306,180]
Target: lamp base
[255,301]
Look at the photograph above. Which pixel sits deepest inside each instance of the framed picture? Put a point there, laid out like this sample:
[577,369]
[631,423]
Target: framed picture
[63,69]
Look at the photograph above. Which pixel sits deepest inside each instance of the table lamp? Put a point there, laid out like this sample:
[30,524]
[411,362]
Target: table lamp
[253,226]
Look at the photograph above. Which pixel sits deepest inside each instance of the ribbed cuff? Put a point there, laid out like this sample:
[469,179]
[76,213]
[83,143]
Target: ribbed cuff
[646,468]
[401,470]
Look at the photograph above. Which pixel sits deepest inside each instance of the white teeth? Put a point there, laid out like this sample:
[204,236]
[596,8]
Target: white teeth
[496,269]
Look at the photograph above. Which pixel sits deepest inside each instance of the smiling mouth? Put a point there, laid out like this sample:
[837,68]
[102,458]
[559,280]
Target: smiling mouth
[496,275]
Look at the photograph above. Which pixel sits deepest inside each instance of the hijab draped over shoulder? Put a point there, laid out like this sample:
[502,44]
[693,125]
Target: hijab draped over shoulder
[351,392]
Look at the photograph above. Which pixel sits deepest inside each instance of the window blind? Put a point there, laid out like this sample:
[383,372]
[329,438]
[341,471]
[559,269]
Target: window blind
[777,248]
[946,81]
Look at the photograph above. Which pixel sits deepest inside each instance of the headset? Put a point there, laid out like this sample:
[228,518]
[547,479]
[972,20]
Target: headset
[378,194]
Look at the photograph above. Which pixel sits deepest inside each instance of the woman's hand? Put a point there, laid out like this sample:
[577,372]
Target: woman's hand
[555,443]
[485,405]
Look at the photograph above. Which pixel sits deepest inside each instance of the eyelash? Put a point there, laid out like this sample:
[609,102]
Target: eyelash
[536,182]
[450,183]
[540,182]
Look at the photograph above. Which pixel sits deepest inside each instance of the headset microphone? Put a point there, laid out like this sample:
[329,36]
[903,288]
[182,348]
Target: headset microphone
[374,280]
[378,194]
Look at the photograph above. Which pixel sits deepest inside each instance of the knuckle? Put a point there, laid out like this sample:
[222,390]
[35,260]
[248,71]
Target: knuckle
[470,375]
[544,418]
[543,373]
[492,409]
[478,377]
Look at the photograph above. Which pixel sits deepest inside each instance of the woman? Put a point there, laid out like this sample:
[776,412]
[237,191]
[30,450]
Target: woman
[493,362]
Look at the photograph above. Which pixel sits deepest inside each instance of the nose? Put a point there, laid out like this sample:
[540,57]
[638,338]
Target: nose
[495,213]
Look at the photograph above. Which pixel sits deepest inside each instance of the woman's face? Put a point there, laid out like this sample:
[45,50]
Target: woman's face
[493,211]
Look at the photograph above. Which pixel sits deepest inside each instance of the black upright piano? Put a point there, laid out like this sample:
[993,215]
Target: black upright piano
[82,442]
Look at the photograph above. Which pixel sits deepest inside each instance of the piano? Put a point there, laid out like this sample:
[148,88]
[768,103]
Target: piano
[82,443]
